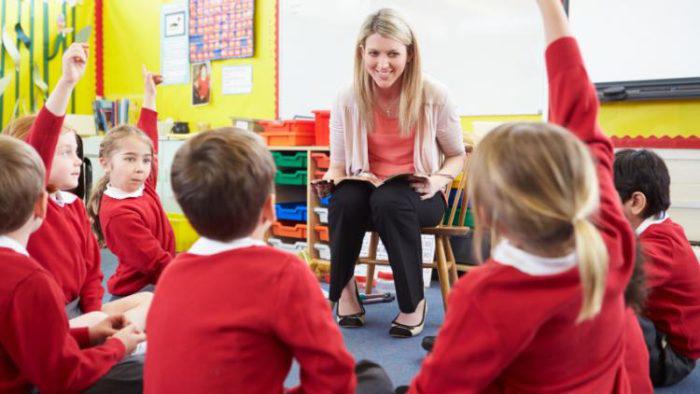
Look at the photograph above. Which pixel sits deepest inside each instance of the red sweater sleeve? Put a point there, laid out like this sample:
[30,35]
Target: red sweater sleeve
[303,322]
[483,355]
[659,266]
[129,238]
[92,291]
[574,104]
[81,336]
[43,136]
[148,122]
[39,342]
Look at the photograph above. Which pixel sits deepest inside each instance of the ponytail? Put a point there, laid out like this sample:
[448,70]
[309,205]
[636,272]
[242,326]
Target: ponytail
[93,207]
[593,267]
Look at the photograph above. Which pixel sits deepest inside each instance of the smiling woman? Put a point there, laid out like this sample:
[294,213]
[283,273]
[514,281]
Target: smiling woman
[393,120]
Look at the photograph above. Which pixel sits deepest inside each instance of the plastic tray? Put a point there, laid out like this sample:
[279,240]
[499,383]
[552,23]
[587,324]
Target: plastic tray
[325,200]
[323,160]
[290,159]
[289,231]
[322,213]
[322,130]
[319,174]
[322,233]
[291,211]
[324,251]
[286,138]
[291,178]
[295,247]
[468,220]
[289,126]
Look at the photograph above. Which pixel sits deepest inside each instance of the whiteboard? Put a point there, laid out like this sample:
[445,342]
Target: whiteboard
[632,40]
[489,54]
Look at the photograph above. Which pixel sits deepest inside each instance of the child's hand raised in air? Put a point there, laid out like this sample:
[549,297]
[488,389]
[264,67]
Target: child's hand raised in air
[74,62]
[150,81]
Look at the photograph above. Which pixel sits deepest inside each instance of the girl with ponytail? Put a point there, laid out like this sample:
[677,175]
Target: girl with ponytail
[126,212]
[546,312]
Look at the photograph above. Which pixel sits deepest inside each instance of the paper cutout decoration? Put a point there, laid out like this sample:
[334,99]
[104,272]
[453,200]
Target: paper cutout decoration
[39,81]
[10,47]
[4,83]
[84,34]
[22,36]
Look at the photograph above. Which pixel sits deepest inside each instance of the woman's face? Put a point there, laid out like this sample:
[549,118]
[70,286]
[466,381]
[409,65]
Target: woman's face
[203,72]
[385,59]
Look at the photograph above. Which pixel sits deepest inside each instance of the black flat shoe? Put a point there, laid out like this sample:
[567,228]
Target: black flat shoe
[355,320]
[399,330]
[428,343]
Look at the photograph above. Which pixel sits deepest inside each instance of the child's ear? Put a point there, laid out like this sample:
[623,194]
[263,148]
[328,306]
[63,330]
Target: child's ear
[40,207]
[104,163]
[268,212]
[637,203]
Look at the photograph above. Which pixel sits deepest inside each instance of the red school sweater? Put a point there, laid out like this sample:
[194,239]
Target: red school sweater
[673,278]
[36,346]
[65,244]
[243,314]
[137,229]
[507,331]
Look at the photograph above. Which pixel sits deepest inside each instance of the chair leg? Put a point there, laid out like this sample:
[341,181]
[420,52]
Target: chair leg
[451,260]
[442,270]
[372,255]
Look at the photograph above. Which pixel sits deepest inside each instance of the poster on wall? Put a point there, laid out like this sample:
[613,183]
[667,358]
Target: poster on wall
[220,29]
[201,83]
[174,48]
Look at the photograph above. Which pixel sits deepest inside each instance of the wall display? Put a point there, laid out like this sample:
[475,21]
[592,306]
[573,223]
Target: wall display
[221,29]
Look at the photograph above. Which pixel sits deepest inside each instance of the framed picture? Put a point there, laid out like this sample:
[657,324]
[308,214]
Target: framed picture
[175,24]
[201,83]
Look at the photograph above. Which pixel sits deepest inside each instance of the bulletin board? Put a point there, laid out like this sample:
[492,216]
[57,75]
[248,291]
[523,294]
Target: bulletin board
[221,29]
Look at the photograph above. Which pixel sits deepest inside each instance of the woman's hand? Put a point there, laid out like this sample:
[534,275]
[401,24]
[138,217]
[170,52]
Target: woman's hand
[428,187]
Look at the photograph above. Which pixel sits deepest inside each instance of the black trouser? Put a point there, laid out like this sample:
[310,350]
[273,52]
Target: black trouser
[666,366]
[397,213]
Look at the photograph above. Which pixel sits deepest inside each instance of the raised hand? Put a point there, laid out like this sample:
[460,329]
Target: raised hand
[74,62]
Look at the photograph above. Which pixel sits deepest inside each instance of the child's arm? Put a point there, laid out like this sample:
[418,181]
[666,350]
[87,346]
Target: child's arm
[44,133]
[573,103]
[132,242]
[42,347]
[303,323]
[92,291]
[148,119]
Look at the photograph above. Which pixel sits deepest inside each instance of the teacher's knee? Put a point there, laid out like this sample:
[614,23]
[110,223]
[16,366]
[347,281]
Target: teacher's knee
[387,203]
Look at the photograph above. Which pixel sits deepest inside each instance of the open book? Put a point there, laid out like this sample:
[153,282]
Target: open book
[376,182]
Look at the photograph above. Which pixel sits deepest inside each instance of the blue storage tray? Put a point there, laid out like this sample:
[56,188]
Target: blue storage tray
[291,211]
[325,200]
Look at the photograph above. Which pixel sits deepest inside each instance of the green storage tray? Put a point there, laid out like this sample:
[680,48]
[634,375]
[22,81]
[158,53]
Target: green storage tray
[291,178]
[469,219]
[290,159]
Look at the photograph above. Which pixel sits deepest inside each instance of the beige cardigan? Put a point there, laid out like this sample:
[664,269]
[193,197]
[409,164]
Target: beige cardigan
[442,134]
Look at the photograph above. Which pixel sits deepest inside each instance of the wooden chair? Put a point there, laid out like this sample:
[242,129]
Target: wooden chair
[445,262]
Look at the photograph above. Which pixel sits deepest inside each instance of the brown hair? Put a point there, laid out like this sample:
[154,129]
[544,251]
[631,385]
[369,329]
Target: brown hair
[388,23]
[221,179]
[108,146]
[536,183]
[22,177]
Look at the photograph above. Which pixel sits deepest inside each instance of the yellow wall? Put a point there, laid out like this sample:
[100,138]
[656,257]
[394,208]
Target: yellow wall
[132,38]
[84,94]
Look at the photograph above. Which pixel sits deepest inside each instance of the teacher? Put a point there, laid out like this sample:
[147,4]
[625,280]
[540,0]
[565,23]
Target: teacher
[393,120]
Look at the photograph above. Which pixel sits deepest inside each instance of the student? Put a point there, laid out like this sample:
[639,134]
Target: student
[671,319]
[546,312]
[126,211]
[37,349]
[64,245]
[241,309]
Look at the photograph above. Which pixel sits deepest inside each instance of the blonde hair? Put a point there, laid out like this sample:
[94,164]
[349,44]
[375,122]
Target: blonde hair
[21,182]
[109,145]
[388,23]
[536,183]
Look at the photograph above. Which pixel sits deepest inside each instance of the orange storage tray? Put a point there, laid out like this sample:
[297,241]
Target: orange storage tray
[323,161]
[294,126]
[295,231]
[322,233]
[322,127]
[319,174]
[286,138]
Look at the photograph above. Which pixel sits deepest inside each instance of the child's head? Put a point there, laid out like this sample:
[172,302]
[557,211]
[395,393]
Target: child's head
[65,170]
[535,185]
[125,155]
[22,191]
[643,183]
[224,181]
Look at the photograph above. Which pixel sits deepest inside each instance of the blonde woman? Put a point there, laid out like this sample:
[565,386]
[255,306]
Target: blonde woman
[393,120]
[546,313]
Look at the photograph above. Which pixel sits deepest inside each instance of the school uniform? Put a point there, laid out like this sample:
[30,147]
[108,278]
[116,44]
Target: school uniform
[242,310]
[65,245]
[673,303]
[136,228]
[511,326]
[37,349]
[636,356]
